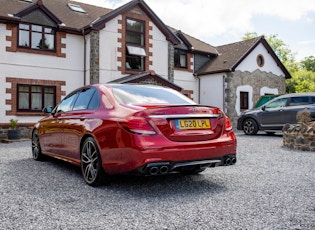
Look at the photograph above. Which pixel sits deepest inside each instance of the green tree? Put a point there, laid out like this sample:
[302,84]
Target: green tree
[308,63]
[302,81]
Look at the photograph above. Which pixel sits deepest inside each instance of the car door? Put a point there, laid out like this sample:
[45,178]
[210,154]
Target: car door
[295,104]
[51,129]
[74,123]
[272,114]
[49,134]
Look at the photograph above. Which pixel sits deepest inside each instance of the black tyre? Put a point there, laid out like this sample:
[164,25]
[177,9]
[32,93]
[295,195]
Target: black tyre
[250,127]
[36,149]
[91,163]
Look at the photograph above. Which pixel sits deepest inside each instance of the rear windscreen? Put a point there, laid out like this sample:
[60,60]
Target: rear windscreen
[138,94]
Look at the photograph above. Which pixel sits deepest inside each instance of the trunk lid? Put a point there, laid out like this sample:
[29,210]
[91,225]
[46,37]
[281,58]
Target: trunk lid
[186,122]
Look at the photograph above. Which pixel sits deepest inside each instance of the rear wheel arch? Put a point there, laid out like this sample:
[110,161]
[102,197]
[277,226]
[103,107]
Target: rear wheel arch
[83,140]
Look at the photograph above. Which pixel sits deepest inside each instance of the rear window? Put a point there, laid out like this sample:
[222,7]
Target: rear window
[145,94]
[299,101]
[84,99]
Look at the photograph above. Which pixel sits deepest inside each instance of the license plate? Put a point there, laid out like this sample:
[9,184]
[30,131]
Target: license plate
[192,124]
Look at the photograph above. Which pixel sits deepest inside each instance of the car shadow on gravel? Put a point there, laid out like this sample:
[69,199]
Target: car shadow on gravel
[56,173]
[260,134]
[166,185]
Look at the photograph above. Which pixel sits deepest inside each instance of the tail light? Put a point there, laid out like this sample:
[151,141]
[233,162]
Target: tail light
[138,125]
[228,125]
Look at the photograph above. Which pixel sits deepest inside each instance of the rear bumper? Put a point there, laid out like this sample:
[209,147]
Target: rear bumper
[160,168]
[175,156]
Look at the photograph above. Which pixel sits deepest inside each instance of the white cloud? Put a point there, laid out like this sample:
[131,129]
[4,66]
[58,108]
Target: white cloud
[305,48]
[213,17]
[218,16]
[307,42]
[228,20]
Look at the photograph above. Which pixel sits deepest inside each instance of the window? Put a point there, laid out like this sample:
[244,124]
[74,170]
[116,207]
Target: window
[135,45]
[133,94]
[36,37]
[67,103]
[299,101]
[260,60]
[277,103]
[84,100]
[135,32]
[95,101]
[76,8]
[180,57]
[33,98]
[243,100]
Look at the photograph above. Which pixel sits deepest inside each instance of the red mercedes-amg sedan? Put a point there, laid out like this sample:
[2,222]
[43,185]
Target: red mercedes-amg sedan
[111,129]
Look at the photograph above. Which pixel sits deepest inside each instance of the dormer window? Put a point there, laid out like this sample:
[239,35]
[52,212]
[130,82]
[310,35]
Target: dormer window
[36,37]
[180,58]
[135,45]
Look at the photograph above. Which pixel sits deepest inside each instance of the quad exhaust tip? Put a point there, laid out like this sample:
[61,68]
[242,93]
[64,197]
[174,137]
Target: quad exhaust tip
[164,169]
[155,170]
[161,168]
[229,161]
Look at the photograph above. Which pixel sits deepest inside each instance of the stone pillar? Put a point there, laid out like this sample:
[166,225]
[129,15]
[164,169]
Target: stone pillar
[170,62]
[94,57]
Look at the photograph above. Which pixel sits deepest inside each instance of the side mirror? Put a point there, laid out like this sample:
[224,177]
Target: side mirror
[263,108]
[48,109]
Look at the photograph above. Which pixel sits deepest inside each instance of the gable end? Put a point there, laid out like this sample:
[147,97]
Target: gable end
[37,16]
[36,12]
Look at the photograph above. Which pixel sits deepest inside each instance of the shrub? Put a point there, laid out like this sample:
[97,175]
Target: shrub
[303,117]
[13,123]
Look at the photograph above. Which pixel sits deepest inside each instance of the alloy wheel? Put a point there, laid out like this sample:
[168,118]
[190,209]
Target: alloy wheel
[250,127]
[91,162]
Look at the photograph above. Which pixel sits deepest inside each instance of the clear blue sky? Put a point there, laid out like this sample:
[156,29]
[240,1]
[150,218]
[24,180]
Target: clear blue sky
[218,22]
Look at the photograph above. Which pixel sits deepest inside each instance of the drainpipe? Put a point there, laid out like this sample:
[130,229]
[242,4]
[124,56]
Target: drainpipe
[197,77]
[223,85]
[84,58]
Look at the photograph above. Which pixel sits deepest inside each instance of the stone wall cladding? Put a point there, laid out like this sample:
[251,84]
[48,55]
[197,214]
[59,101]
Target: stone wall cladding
[26,130]
[300,136]
[170,62]
[94,57]
[257,80]
[150,81]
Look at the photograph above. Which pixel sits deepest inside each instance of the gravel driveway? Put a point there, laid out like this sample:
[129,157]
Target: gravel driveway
[270,187]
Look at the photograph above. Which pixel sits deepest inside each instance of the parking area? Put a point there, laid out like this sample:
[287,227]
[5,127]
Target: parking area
[270,187]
